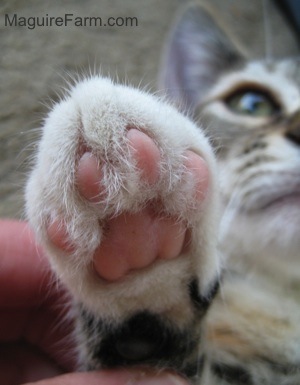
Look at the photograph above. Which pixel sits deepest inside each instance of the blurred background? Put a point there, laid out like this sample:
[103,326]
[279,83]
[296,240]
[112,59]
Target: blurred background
[34,62]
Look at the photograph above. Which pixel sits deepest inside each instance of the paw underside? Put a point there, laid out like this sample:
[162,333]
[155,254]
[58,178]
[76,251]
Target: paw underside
[122,197]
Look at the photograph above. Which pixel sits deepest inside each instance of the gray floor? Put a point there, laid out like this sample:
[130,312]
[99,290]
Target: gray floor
[34,62]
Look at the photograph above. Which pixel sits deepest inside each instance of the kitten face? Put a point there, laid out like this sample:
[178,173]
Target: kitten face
[254,116]
[251,113]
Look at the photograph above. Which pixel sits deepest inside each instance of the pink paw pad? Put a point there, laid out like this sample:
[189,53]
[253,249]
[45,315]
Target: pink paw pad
[134,241]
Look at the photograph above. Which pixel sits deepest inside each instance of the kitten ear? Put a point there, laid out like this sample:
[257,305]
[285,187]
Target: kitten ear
[198,51]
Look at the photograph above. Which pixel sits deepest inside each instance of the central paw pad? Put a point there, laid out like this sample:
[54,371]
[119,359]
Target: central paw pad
[134,240]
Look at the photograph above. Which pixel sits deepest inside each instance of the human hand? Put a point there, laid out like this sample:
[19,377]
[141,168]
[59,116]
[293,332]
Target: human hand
[32,306]
[34,327]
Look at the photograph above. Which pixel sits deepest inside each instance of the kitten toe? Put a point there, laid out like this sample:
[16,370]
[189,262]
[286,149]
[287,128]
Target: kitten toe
[89,177]
[146,154]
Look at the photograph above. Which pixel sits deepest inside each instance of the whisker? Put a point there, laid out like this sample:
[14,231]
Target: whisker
[229,214]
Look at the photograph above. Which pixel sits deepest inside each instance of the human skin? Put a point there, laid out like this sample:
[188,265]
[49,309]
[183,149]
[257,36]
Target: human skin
[34,328]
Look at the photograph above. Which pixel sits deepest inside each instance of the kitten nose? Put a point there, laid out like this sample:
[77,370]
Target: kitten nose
[293,131]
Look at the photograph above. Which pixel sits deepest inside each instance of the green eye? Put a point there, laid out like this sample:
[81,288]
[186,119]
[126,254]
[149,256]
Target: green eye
[252,103]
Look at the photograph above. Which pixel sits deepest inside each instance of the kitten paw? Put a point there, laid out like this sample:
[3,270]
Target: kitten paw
[134,240]
[123,198]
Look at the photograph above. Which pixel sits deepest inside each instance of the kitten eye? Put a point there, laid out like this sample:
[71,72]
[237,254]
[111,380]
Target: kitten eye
[252,103]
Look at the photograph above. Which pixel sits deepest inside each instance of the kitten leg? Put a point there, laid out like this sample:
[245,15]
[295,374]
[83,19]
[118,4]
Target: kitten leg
[123,198]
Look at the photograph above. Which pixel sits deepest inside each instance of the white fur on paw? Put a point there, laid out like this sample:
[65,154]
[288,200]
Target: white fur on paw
[96,115]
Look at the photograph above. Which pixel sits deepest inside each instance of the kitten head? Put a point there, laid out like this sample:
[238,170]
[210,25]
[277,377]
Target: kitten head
[251,111]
